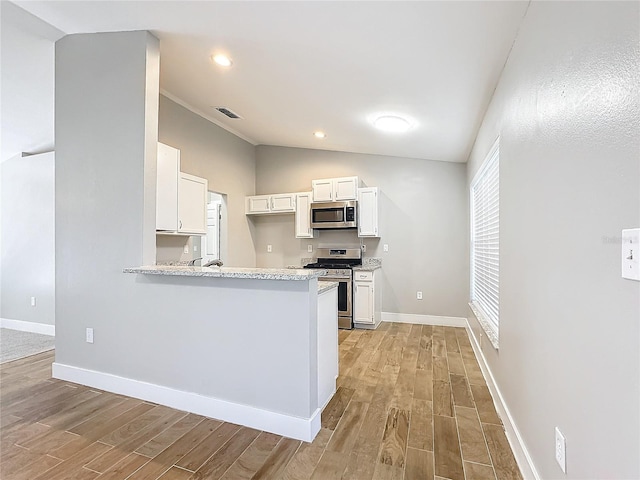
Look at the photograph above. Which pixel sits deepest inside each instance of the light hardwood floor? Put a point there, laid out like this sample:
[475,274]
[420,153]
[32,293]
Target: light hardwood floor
[411,404]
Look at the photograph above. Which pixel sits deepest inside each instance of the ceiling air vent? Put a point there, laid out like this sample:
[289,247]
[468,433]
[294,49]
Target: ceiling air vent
[227,112]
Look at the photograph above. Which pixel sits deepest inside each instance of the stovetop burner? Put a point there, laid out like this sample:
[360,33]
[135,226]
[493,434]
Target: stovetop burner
[328,265]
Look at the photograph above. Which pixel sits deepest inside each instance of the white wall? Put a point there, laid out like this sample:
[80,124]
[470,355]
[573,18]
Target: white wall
[226,161]
[26,73]
[567,109]
[27,239]
[423,220]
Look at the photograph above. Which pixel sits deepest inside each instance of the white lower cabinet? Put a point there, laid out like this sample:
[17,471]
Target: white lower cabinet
[366,299]
[327,345]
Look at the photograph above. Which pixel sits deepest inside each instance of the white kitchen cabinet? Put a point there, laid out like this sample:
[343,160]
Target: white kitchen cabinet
[258,204]
[269,204]
[303,216]
[192,204]
[327,345]
[168,171]
[367,299]
[368,212]
[335,189]
[283,202]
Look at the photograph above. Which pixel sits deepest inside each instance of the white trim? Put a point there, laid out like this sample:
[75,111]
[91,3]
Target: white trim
[424,319]
[525,462]
[33,327]
[304,429]
[200,113]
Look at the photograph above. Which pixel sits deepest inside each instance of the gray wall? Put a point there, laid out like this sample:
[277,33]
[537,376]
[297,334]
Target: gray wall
[26,74]
[423,220]
[105,121]
[567,110]
[106,102]
[226,161]
[28,258]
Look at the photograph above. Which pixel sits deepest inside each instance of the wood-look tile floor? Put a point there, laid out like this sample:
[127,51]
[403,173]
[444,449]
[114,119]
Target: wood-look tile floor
[411,404]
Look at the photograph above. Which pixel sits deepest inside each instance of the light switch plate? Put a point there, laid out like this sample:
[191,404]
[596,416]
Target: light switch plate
[309,248]
[631,254]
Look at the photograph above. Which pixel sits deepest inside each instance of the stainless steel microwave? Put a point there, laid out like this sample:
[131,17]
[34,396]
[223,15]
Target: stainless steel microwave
[334,215]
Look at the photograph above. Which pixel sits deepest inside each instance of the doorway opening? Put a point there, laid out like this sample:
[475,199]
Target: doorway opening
[214,243]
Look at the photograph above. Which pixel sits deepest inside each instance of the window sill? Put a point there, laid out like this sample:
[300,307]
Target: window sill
[486,326]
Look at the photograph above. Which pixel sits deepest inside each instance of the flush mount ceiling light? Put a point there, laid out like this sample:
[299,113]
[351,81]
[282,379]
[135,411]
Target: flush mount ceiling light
[319,134]
[222,60]
[391,123]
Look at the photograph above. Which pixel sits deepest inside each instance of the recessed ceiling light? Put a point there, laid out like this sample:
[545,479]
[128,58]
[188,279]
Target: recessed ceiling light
[392,123]
[319,134]
[222,60]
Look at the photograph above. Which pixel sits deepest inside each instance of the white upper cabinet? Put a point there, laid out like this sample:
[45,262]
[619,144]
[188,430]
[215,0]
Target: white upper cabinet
[303,216]
[335,189]
[322,190]
[192,205]
[268,204]
[258,204]
[284,202]
[368,210]
[167,188]
[181,199]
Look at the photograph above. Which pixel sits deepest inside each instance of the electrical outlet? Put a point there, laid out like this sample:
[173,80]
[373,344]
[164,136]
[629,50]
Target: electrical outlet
[195,248]
[561,454]
[419,295]
[269,248]
[89,335]
[309,248]
[386,247]
[364,248]
[631,253]
[33,301]
[185,249]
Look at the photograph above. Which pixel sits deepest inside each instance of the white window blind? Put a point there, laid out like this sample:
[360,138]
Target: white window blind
[485,243]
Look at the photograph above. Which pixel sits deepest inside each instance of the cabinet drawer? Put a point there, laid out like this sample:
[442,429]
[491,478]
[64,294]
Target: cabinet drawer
[363,276]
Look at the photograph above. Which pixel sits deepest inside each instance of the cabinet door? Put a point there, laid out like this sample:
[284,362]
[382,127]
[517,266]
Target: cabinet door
[303,215]
[363,302]
[345,188]
[322,190]
[368,212]
[192,204]
[167,188]
[285,202]
[258,204]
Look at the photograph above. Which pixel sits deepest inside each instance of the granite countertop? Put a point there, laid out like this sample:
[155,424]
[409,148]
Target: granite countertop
[369,264]
[228,272]
[326,286]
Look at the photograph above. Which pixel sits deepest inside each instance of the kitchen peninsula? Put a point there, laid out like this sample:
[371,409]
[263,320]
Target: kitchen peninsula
[251,346]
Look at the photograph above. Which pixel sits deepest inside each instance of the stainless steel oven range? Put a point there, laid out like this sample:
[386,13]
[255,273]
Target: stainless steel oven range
[338,263]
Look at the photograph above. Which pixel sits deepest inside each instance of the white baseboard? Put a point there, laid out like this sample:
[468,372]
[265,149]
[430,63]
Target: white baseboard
[304,429]
[520,451]
[33,327]
[424,319]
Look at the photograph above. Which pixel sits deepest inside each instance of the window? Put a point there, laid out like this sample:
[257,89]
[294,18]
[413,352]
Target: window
[485,244]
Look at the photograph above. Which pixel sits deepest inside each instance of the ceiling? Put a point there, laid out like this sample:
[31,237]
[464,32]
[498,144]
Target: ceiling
[304,66]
